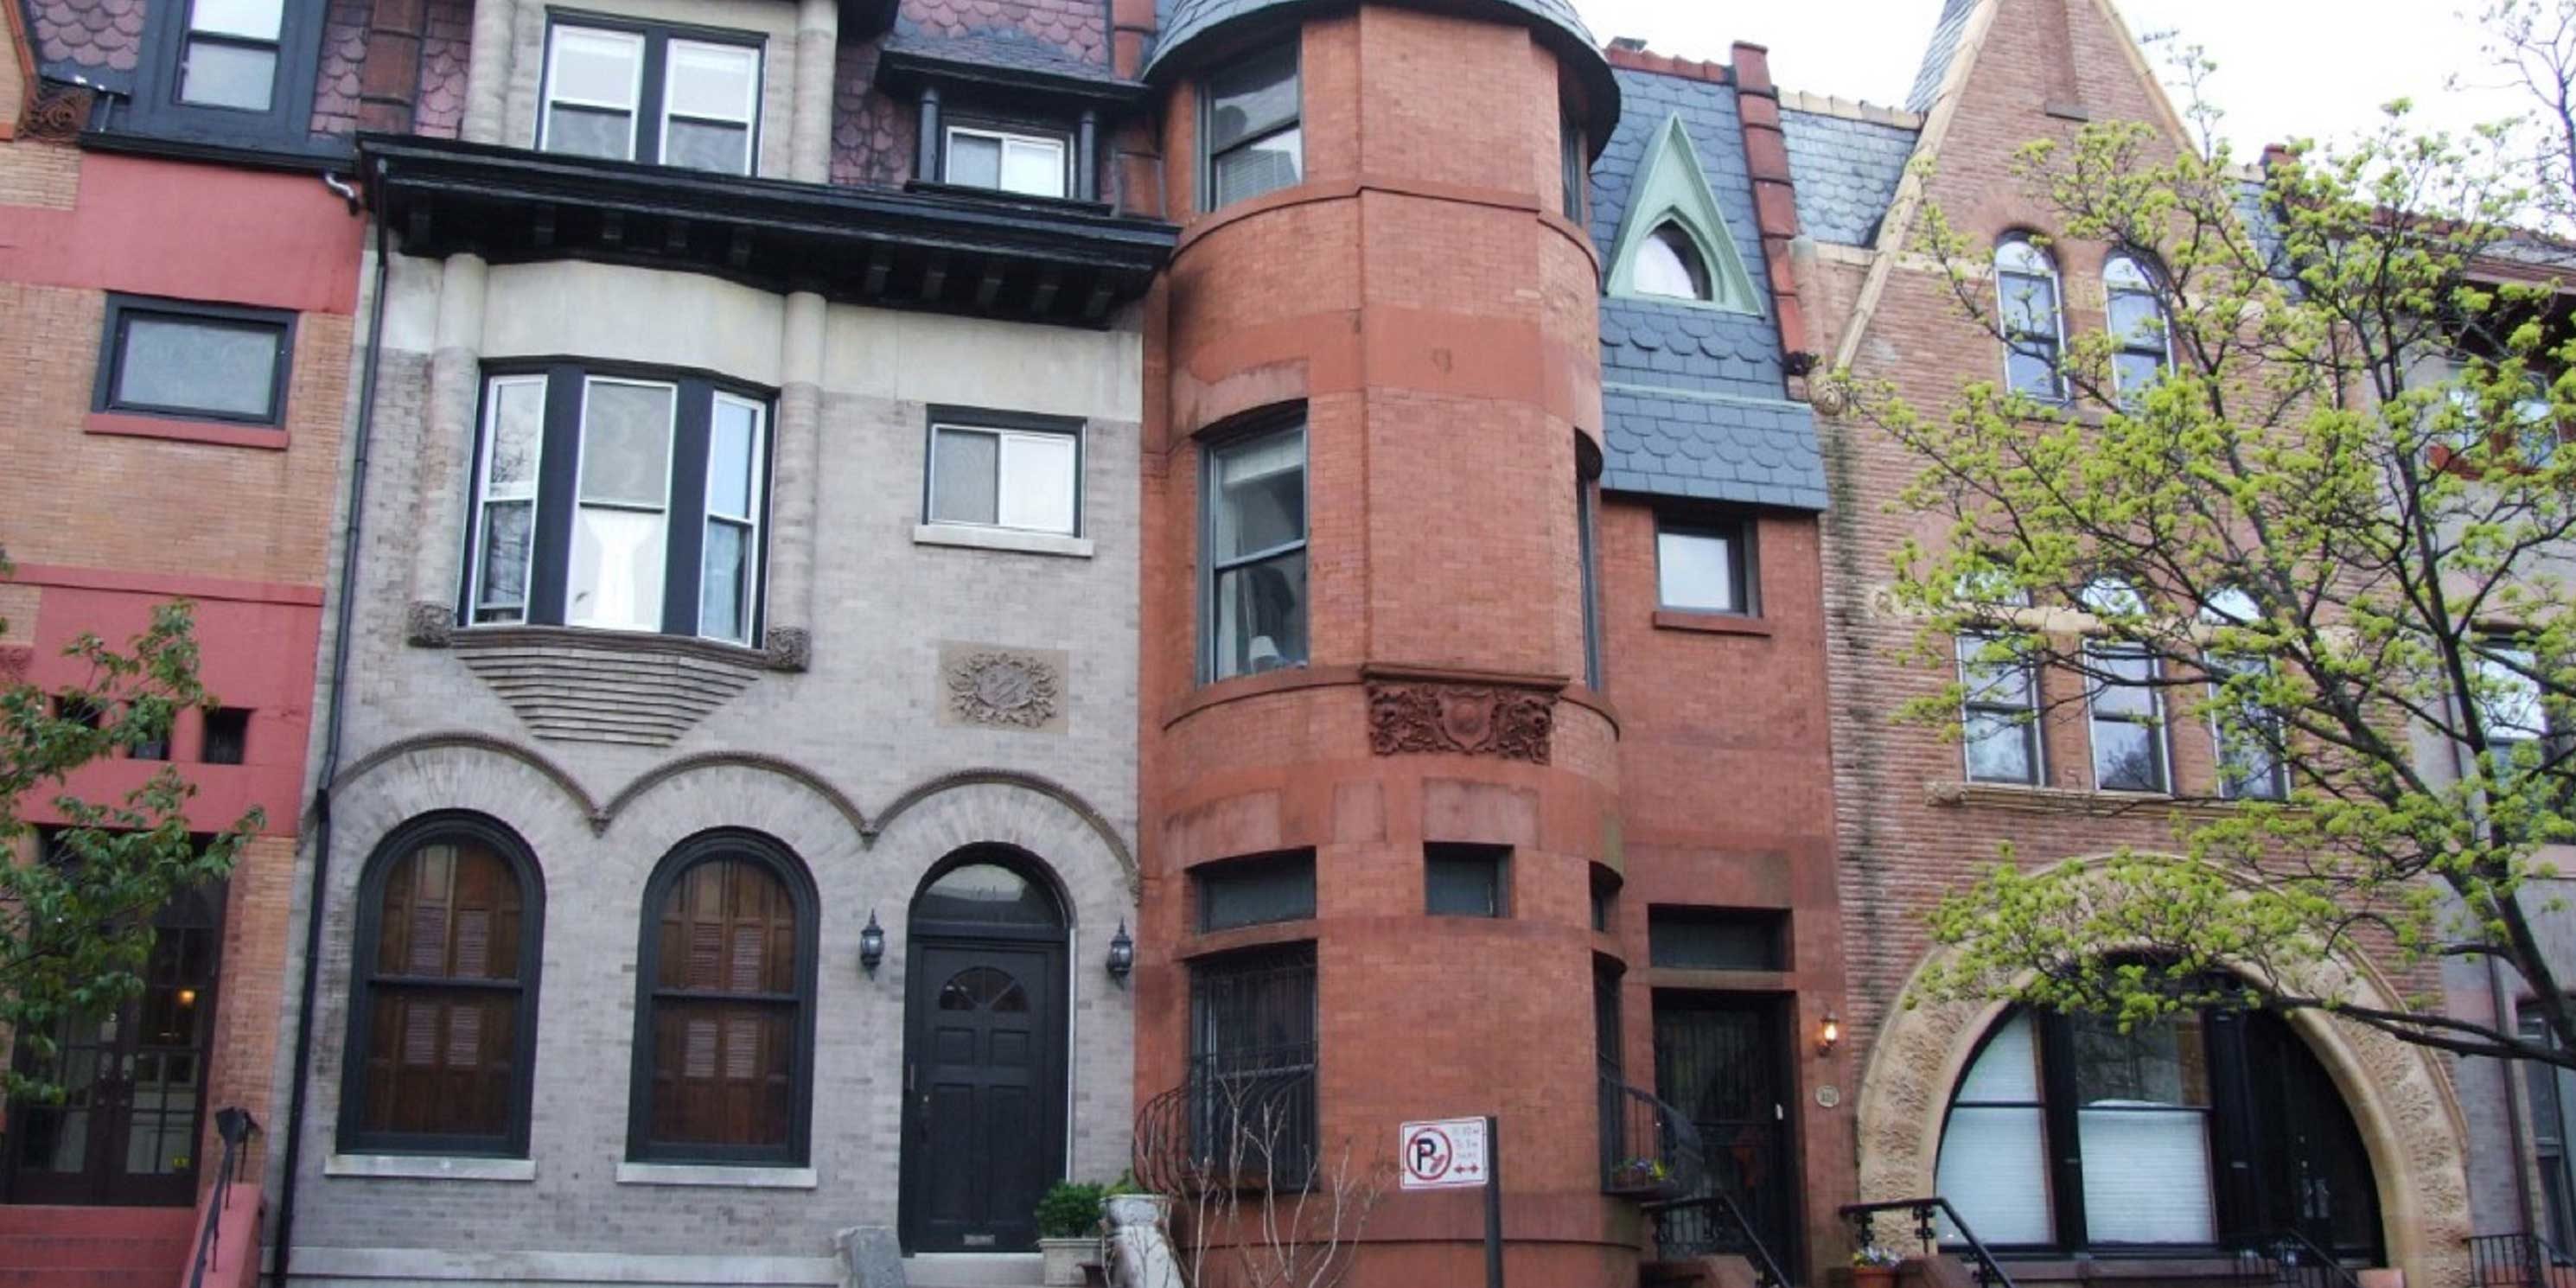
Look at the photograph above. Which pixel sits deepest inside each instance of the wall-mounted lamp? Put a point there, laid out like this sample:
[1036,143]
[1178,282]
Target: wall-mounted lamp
[1828,1033]
[1122,954]
[871,944]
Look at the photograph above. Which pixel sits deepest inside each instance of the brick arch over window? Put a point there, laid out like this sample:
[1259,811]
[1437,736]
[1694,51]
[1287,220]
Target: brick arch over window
[443,990]
[2399,1097]
[724,1005]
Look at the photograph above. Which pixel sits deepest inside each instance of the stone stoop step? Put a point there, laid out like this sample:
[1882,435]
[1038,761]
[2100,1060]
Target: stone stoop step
[974,1270]
[84,1247]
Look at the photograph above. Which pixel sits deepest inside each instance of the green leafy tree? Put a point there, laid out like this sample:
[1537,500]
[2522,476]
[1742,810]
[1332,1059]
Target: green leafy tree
[2336,524]
[76,923]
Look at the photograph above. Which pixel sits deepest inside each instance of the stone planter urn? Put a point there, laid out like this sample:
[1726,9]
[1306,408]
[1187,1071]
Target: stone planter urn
[1064,1260]
[1140,1256]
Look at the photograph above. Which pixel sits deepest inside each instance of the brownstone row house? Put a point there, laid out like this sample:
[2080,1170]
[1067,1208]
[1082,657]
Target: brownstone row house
[924,595]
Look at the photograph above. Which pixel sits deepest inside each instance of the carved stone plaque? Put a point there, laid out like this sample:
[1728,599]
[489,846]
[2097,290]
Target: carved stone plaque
[991,687]
[1467,719]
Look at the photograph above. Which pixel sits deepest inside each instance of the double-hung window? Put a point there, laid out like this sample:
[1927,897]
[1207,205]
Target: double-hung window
[194,361]
[651,94]
[994,471]
[619,502]
[2138,327]
[1255,529]
[1998,714]
[1016,161]
[233,72]
[232,54]
[1249,125]
[2128,720]
[1253,1054]
[2510,711]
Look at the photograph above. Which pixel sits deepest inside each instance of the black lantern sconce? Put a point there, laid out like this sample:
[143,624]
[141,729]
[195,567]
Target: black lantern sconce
[1122,955]
[871,944]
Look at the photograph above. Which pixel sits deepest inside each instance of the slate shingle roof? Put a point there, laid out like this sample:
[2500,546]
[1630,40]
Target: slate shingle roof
[1694,401]
[1002,48]
[1946,36]
[1846,172]
[86,37]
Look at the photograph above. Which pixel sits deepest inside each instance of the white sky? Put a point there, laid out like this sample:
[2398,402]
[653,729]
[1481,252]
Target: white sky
[2317,68]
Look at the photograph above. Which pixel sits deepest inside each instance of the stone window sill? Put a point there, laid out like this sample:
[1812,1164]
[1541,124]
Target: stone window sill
[121,425]
[718,1175]
[1668,619]
[2066,800]
[430,1167]
[1032,543]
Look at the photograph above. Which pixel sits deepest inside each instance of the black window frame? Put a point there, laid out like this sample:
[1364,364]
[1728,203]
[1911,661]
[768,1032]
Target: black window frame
[2099,658]
[1490,864]
[1769,927]
[653,81]
[1212,446]
[992,420]
[557,495]
[720,845]
[2238,1149]
[1282,1075]
[1291,47]
[123,309]
[2552,1094]
[1009,126]
[2228,749]
[1742,561]
[2025,715]
[156,110]
[399,844]
[1577,172]
[1587,536]
[1206,879]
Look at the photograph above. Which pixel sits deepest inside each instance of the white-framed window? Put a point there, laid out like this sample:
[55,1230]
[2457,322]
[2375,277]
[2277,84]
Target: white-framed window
[1031,165]
[1023,476]
[619,501]
[505,525]
[622,508]
[649,94]
[2136,312]
[729,557]
[2033,320]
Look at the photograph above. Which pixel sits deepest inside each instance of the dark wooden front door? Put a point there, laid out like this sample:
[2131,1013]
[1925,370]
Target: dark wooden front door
[1721,1061]
[984,1069]
[134,1082]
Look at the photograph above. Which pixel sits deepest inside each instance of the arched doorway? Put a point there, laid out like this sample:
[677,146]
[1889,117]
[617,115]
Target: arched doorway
[984,1053]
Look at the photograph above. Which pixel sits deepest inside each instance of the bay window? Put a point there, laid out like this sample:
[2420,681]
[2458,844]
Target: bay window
[618,502]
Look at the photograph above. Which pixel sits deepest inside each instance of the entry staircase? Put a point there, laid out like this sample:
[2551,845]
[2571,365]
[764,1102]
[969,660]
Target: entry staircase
[214,1246]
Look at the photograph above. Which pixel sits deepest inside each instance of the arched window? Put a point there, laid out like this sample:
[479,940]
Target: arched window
[2034,330]
[443,991]
[724,1016]
[1669,264]
[2138,326]
[2067,1134]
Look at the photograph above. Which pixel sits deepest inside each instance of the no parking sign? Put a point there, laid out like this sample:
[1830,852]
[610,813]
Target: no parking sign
[1448,1154]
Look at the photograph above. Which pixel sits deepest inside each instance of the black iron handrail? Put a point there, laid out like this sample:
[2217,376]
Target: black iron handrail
[1229,1127]
[1647,1147]
[234,1126]
[1766,1268]
[1863,1217]
[2291,1260]
[2515,1260]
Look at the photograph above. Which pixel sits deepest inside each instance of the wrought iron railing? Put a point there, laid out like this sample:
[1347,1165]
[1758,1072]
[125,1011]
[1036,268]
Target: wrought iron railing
[1710,1223]
[2289,1259]
[2518,1261]
[234,1126]
[1926,1213]
[1648,1148]
[1229,1125]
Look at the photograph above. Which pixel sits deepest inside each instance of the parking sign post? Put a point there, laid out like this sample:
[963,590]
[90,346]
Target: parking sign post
[1458,1154]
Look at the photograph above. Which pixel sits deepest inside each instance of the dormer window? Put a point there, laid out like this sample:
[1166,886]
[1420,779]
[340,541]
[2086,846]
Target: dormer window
[1671,266]
[234,72]
[643,93]
[232,54]
[1028,163]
